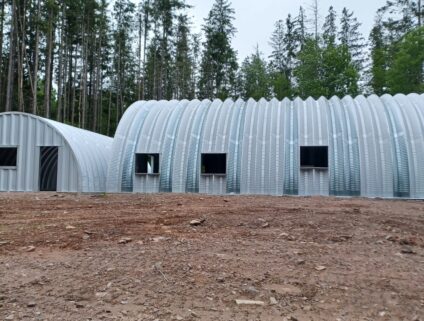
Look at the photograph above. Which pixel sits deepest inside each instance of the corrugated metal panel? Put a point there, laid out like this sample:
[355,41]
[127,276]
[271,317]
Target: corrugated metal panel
[82,161]
[376,145]
[215,138]
[313,131]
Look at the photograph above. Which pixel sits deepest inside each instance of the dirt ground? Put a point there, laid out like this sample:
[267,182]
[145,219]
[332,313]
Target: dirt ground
[137,257]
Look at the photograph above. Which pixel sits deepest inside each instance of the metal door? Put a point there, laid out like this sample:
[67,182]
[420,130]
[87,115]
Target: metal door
[48,168]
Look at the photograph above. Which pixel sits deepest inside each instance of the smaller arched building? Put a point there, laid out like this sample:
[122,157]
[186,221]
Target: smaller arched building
[38,154]
[364,146]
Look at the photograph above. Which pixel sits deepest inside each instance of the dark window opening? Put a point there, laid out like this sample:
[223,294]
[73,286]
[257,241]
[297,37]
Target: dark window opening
[8,156]
[314,156]
[214,164]
[147,163]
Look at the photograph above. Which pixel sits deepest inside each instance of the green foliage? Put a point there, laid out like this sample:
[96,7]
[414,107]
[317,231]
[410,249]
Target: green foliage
[255,78]
[219,62]
[183,69]
[339,75]
[84,61]
[309,71]
[406,73]
[379,60]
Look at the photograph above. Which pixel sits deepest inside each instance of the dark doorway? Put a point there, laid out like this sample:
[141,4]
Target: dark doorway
[48,168]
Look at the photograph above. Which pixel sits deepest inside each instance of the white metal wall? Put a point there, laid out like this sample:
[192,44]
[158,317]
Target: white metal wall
[82,159]
[375,144]
[313,131]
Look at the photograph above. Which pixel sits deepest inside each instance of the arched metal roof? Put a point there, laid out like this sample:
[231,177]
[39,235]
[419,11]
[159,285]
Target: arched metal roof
[376,145]
[90,150]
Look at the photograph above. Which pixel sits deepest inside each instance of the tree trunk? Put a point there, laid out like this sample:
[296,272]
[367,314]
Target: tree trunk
[2,5]
[36,59]
[140,30]
[83,88]
[21,19]
[73,85]
[60,81]
[109,111]
[146,34]
[11,71]
[97,87]
[49,60]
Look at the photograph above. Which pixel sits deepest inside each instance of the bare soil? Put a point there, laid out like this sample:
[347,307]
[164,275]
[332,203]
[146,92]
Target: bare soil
[137,257]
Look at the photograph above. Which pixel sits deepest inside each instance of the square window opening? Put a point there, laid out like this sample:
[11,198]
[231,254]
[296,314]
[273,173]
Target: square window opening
[314,157]
[8,156]
[147,163]
[214,164]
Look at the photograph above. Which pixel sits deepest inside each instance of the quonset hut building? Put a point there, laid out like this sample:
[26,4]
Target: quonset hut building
[371,147]
[38,154]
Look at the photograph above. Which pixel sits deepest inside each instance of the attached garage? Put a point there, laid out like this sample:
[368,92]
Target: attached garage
[38,154]
[364,146]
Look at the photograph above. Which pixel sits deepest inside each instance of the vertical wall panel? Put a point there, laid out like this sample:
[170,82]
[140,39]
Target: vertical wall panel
[291,157]
[313,131]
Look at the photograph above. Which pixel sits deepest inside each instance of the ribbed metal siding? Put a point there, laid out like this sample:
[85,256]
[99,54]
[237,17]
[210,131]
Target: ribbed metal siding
[82,160]
[376,145]
[151,141]
[215,138]
[91,152]
[116,160]
[313,131]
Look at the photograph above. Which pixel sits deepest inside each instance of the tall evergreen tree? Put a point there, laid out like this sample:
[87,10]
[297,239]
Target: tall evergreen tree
[351,37]
[309,73]
[279,81]
[183,70]
[379,62]
[330,29]
[124,60]
[290,46]
[219,62]
[406,74]
[255,78]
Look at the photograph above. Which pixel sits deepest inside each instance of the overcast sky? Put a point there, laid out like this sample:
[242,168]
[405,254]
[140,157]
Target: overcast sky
[255,19]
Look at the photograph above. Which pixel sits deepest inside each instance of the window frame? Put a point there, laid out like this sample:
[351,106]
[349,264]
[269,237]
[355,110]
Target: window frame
[311,167]
[158,155]
[17,158]
[213,174]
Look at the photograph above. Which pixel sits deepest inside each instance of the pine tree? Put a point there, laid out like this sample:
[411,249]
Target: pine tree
[401,16]
[195,46]
[219,62]
[330,28]
[406,74]
[379,61]
[309,73]
[290,47]
[339,74]
[255,78]
[278,67]
[278,59]
[183,88]
[300,30]
[124,61]
[351,37]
